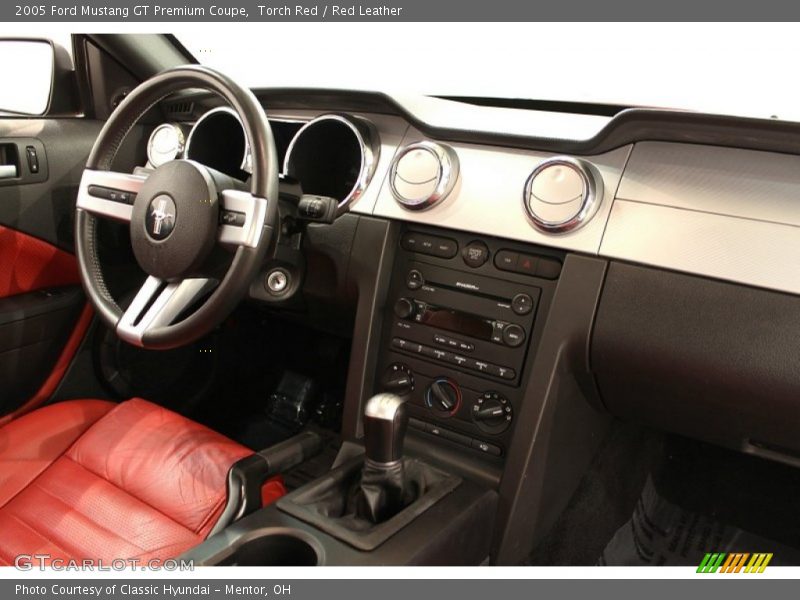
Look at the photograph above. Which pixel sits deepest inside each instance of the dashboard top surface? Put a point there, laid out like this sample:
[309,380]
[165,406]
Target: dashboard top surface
[713,191]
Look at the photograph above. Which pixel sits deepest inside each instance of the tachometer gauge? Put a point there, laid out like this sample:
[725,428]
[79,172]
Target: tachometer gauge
[166,143]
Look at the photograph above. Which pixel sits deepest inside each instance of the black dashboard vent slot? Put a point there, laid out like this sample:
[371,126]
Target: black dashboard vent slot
[180,109]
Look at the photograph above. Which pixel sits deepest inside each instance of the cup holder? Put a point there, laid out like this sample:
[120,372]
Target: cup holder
[275,548]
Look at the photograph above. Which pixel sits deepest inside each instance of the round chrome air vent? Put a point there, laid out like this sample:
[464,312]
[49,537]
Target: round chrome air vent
[562,194]
[423,174]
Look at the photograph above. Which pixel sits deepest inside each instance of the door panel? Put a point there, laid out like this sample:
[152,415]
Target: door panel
[46,209]
[43,312]
[31,264]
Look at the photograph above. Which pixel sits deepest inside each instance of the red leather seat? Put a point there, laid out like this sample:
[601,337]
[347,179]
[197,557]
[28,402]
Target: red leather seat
[89,479]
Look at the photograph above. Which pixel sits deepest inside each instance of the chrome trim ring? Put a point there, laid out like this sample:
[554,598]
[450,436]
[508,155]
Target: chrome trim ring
[447,176]
[592,195]
[247,159]
[180,142]
[367,137]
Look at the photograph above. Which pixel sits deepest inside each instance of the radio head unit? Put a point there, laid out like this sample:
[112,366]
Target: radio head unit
[456,338]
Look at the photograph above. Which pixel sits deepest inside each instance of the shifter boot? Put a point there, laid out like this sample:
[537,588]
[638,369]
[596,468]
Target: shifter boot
[381,493]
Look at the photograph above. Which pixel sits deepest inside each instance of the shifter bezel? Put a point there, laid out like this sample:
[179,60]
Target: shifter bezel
[301,503]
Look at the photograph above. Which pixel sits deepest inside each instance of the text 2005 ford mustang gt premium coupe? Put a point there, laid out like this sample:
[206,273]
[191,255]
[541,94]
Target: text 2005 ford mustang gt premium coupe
[284,326]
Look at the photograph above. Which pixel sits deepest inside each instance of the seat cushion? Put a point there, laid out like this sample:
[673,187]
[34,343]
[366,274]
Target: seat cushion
[93,479]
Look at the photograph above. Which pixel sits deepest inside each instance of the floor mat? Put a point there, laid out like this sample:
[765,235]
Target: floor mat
[662,533]
[604,500]
[686,497]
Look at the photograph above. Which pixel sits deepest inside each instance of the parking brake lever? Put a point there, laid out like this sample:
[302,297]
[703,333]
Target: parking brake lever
[247,476]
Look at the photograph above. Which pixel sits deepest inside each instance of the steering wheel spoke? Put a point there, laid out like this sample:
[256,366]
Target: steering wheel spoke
[109,194]
[242,218]
[158,304]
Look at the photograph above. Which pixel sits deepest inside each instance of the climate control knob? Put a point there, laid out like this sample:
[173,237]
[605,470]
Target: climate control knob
[443,396]
[398,379]
[492,412]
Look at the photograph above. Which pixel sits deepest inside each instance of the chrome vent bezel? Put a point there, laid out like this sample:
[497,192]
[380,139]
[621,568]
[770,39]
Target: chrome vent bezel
[449,172]
[591,199]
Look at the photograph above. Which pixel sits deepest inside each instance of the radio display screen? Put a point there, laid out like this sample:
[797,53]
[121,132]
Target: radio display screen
[458,322]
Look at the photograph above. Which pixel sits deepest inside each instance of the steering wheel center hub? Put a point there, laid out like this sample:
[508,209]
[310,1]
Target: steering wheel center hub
[161,216]
[175,220]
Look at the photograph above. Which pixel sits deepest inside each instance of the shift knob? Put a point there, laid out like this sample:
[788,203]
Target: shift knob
[385,422]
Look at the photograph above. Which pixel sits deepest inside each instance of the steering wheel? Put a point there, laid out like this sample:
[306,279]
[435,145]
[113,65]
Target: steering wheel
[179,216]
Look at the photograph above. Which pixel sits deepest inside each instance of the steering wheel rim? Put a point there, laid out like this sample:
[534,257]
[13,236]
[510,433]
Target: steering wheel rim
[150,320]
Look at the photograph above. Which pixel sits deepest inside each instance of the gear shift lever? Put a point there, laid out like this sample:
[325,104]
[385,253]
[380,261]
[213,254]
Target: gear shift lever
[383,478]
[385,422]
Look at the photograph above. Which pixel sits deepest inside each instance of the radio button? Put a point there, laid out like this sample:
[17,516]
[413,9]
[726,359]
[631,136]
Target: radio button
[444,247]
[401,344]
[459,360]
[506,260]
[441,355]
[480,366]
[502,372]
[404,308]
[428,244]
[522,304]
[414,280]
[427,351]
[497,332]
[411,241]
[513,335]
[475,254]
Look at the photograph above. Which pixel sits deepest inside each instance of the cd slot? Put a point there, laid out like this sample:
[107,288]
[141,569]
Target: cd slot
[464,323]
[466,288]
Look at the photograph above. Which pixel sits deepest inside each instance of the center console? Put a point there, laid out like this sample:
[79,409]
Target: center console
[445,347]
[463,319]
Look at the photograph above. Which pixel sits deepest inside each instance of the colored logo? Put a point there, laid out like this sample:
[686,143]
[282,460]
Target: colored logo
[737,562]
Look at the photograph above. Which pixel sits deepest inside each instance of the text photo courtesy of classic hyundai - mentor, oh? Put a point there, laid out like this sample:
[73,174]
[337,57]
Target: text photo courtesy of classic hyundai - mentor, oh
[311,326]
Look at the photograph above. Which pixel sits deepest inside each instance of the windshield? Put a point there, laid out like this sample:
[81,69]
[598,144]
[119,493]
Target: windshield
[702,67]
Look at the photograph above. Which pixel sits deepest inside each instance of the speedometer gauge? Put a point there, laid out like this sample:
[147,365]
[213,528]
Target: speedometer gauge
[166,143]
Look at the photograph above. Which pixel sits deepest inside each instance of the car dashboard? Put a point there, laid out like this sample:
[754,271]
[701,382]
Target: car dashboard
[519,287]
[654,196]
